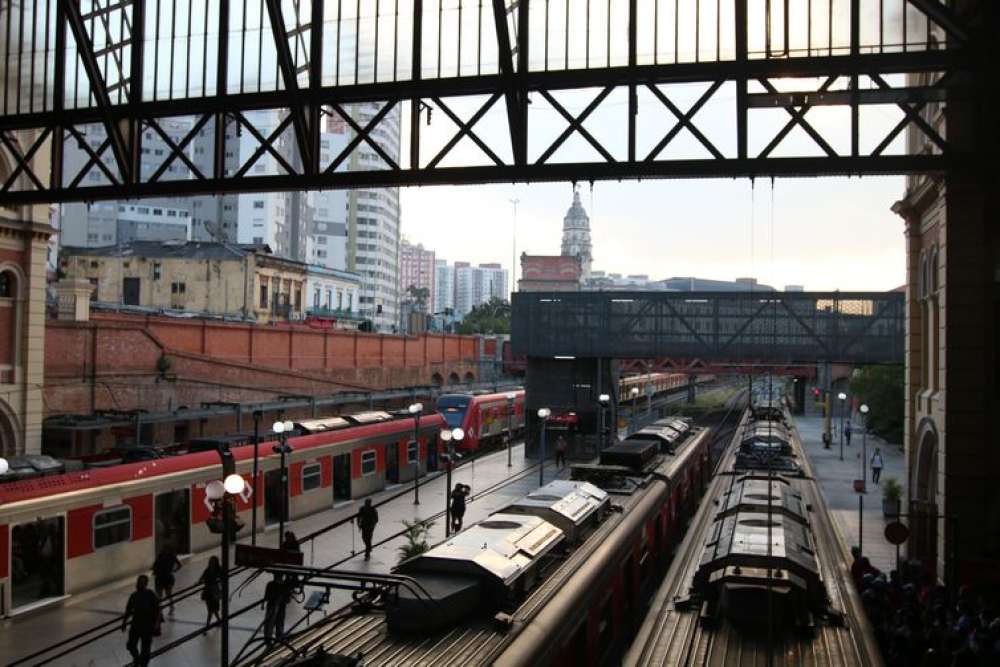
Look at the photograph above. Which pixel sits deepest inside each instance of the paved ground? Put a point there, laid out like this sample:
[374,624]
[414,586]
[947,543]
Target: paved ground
[836,479]
[25,634]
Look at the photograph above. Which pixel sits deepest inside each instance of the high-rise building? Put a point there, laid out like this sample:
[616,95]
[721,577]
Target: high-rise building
[417,269]
[475,285]
[576,235]
[444,286]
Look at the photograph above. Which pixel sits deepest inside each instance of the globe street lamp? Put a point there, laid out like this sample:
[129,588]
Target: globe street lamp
[543,414]
[864,446]
[842,397]
[604,400]
[220,495]
[283,429]
[511,396]
[416,409]
[449,437]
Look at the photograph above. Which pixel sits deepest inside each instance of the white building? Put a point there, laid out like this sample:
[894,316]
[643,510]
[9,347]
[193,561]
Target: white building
[331,292]
[444,286]
[475,285]
[576,235]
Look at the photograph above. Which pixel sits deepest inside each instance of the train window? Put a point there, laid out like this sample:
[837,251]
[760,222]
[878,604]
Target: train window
[112,526]
[368,463]
[312,476]
[411,452]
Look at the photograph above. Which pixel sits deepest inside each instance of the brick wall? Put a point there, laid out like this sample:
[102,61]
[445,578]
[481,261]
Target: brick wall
[113,362]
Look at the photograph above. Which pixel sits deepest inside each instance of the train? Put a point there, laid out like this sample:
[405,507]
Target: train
[486,419]
[58,532]
[556,577]
[761,576]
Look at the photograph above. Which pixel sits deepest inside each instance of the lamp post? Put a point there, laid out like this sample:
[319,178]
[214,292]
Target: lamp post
[864,446]
[603,399]
[634,393]
[450,437]
[543,414]
[223,493]
[282,448]
[257,415]
[511,396]
[842,397]
[416,409]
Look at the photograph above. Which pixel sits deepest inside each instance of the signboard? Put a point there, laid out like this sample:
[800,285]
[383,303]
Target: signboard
[896,533]
[260,557]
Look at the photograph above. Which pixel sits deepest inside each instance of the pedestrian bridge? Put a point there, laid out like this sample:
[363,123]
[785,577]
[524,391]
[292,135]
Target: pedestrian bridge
[764,327]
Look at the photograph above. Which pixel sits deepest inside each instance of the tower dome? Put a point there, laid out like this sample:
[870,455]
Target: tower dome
[576,234]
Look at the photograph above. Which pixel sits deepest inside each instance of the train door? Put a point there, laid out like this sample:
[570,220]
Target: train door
[342,477]
[37,556]
[173,514]
[274,495]
[392,462]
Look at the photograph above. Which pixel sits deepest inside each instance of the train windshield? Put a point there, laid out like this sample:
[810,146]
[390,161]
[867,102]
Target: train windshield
[453,409]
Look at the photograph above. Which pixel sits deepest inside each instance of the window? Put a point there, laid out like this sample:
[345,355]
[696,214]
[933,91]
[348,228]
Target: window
[411,453]
[321,253]
[94,264]
[263,294]
[316,297]
[142,209]
[156,270]
[329,298]
[112,526]
[6,285]
[259,203]
[368,463]
[171,213]
[178,288]
[312,476]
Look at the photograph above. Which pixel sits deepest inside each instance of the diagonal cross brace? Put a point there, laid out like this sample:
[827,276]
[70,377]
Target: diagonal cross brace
[798,118]
[576,125]
[512,95]
[98,86]
[465,129]
[289,77]
[912,115]
[684,120]
[363,134]
[23,160]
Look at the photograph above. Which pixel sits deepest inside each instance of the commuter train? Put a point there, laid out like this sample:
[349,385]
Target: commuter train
[486,418]
[557,577]
[57,533]
[760,575]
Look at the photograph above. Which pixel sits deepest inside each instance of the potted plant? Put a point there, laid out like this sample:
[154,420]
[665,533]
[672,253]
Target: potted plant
[891,494]
[416,539]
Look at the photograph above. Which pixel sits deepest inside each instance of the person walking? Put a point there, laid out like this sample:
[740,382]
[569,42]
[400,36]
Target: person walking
[876,465]
[276,595]
[458,495]
[847,433]
[367,519]
[163,575]
[826,440]
[143,608]
[211,579]
[560,451]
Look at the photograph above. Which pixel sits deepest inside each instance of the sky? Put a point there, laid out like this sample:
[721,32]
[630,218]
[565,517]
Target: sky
[823,233]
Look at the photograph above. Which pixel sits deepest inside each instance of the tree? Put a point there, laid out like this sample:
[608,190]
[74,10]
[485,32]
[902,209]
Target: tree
[492,317]
[882,389]
[418,295]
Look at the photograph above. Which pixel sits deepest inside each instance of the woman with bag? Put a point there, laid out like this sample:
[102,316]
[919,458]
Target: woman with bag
[211,578]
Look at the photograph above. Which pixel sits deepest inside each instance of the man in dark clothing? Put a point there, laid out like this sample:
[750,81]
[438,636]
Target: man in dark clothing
[458,506]
[367,518]
[276,595]
[163,575]
[144,609]
[561,450]
[847,433]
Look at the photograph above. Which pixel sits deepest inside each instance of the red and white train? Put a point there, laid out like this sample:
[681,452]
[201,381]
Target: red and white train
[59,533]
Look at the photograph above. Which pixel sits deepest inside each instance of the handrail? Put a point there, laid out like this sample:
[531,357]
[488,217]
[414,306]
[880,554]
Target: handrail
[185,593]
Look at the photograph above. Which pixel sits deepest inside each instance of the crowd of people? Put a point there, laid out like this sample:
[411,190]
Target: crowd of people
[917,622]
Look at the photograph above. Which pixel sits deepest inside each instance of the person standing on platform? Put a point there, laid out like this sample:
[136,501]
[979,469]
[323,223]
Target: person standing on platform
[847,433]
[876,465]
[211,579]
[458,495]
[826,440]
[290,542]
[143,608]
[163,575]
[561,451]
[276,595]
[367,519]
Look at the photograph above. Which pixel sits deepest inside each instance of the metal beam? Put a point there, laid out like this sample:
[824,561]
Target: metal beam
[289,78]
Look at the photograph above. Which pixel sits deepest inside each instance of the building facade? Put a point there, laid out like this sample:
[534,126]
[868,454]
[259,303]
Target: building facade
[576,235]
[444,287]
[475,285]
[333,295]
[550,273]
[418,270]
[199,277]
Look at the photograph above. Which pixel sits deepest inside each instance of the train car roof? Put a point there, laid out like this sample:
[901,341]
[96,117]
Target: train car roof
[20,491]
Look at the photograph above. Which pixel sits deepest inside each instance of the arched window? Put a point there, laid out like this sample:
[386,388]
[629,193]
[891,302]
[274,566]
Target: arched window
[7,285]
[922,277]
[933,283]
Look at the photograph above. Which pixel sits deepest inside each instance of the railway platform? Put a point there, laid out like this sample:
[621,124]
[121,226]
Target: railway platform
[836,479]
[27,633]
